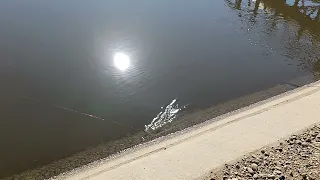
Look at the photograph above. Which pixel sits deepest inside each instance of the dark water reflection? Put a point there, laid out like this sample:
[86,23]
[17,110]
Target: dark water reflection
[60,54]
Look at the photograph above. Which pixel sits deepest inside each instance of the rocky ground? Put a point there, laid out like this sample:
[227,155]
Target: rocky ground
[298,157]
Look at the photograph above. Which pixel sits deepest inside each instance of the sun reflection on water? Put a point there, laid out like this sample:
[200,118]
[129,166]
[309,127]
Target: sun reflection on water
[121,61]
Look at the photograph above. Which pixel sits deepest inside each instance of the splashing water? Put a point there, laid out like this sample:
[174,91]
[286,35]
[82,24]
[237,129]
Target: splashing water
[164,117]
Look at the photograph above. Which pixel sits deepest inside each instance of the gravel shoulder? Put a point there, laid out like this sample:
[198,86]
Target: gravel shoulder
[297,157]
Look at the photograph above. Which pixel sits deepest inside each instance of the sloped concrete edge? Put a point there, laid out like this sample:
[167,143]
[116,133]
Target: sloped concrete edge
[177,138]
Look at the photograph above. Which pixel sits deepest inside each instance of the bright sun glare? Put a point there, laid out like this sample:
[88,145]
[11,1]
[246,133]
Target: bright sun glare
[121,61]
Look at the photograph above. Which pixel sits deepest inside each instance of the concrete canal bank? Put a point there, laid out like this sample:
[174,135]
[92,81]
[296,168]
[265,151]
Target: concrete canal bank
[192,153]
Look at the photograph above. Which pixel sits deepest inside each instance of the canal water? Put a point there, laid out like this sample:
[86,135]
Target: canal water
[77,73]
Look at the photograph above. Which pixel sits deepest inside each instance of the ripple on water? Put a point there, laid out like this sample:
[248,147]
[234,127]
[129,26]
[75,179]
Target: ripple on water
[167,115]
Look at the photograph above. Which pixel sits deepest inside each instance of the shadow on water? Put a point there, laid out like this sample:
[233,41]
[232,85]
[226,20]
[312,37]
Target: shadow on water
[302,15]
[50,133]
[305,12]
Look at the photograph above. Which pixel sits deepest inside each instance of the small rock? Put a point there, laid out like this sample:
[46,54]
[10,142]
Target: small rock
[263,151]
[255,176]
[304,144]
[254,166]
[238,166]
[291,174]
[298,142]
[291,142]
[282,178]
[311,177]
[277,172]
[256,161]
[248,175]
[277,168]
[250,170]
[263,176]
[298,150]
[304,175]
[271,176]
[287,162]
[293,137]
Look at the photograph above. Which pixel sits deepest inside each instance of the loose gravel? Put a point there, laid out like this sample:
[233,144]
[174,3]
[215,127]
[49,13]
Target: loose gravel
[298,157]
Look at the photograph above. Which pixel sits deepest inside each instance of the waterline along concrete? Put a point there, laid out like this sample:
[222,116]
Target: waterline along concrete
[192,153]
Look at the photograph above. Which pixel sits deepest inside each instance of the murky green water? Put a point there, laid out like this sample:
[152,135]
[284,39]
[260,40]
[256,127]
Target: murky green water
[76,73]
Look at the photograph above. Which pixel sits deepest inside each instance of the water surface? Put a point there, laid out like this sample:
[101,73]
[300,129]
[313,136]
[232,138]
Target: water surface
[77,73]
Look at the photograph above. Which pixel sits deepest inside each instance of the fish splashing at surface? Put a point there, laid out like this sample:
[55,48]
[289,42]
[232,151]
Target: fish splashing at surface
[164,117]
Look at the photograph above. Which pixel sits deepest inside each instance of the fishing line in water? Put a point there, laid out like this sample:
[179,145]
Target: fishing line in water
[78,112]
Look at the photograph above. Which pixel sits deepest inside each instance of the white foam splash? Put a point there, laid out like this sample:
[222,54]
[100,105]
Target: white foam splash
[164,117]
